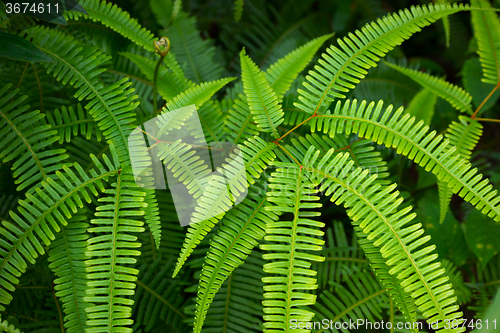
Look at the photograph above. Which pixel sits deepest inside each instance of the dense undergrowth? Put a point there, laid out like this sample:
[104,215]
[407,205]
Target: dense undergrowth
[366,188]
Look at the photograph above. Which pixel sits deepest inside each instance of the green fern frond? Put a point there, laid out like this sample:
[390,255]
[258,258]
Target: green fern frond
[237,308]
[401,298]
[413,140]
[7,203]
[170,84]
[363,298]
[464,135]
[360,151]
[374,209]
[67,261]
[111,107]
[487,32]
[239,124]
[189,168]
[242,228]
[24,141]
[157,296]
[262,100]
[238,9]
[212,121]
[258,155]
[55,202]
[341,69]
[463,292]
[195,53]
[339,252]
[9,328]
[289,277]
[220,193]
[281,74]
[458,98]
[68,122]
[446,25]
[111,252]
[115,18]
[422,105]
[198,94]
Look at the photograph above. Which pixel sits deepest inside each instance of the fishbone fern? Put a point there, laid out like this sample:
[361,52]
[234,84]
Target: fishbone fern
[301,203]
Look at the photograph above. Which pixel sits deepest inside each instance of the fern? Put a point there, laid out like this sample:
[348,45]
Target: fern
[422,106]
[457,97]
[427,149]
[198,94]
[156,296]
[244,226]
[170,84]
[486,29]
[341,69]
[362,299]
[339,252]
[67,257]
[197,55]
[262,100]
[115,18]
[289,276]
[238,9]
[69,122]
[25,142]
[40,216]
[6,327]
[74,253]
[223,190]
[281,74]
[464,135]
[111,252]
[374,209]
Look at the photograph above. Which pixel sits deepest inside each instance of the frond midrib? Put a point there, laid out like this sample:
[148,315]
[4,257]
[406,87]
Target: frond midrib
[152,292]
[54,206]
[292,250]
[113,249]
[374,209]
[27,144]
[222,260]
[495,56]
[96,92]
[362,50]
[257,90]
[73,284]
[431,156]
[355,305]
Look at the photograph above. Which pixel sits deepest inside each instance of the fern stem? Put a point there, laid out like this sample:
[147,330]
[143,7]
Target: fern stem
[485,100]
[293,129]
[39,86]
[155,86]
[58,308]
[162,47]
[488,119]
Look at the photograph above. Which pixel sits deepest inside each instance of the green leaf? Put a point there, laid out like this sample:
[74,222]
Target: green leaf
[479,90]
[447,236]
[487,31]
[341,68]
[482,235]
[17,48]
[422,105]
[281,74]
[455,95]
[263,102]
